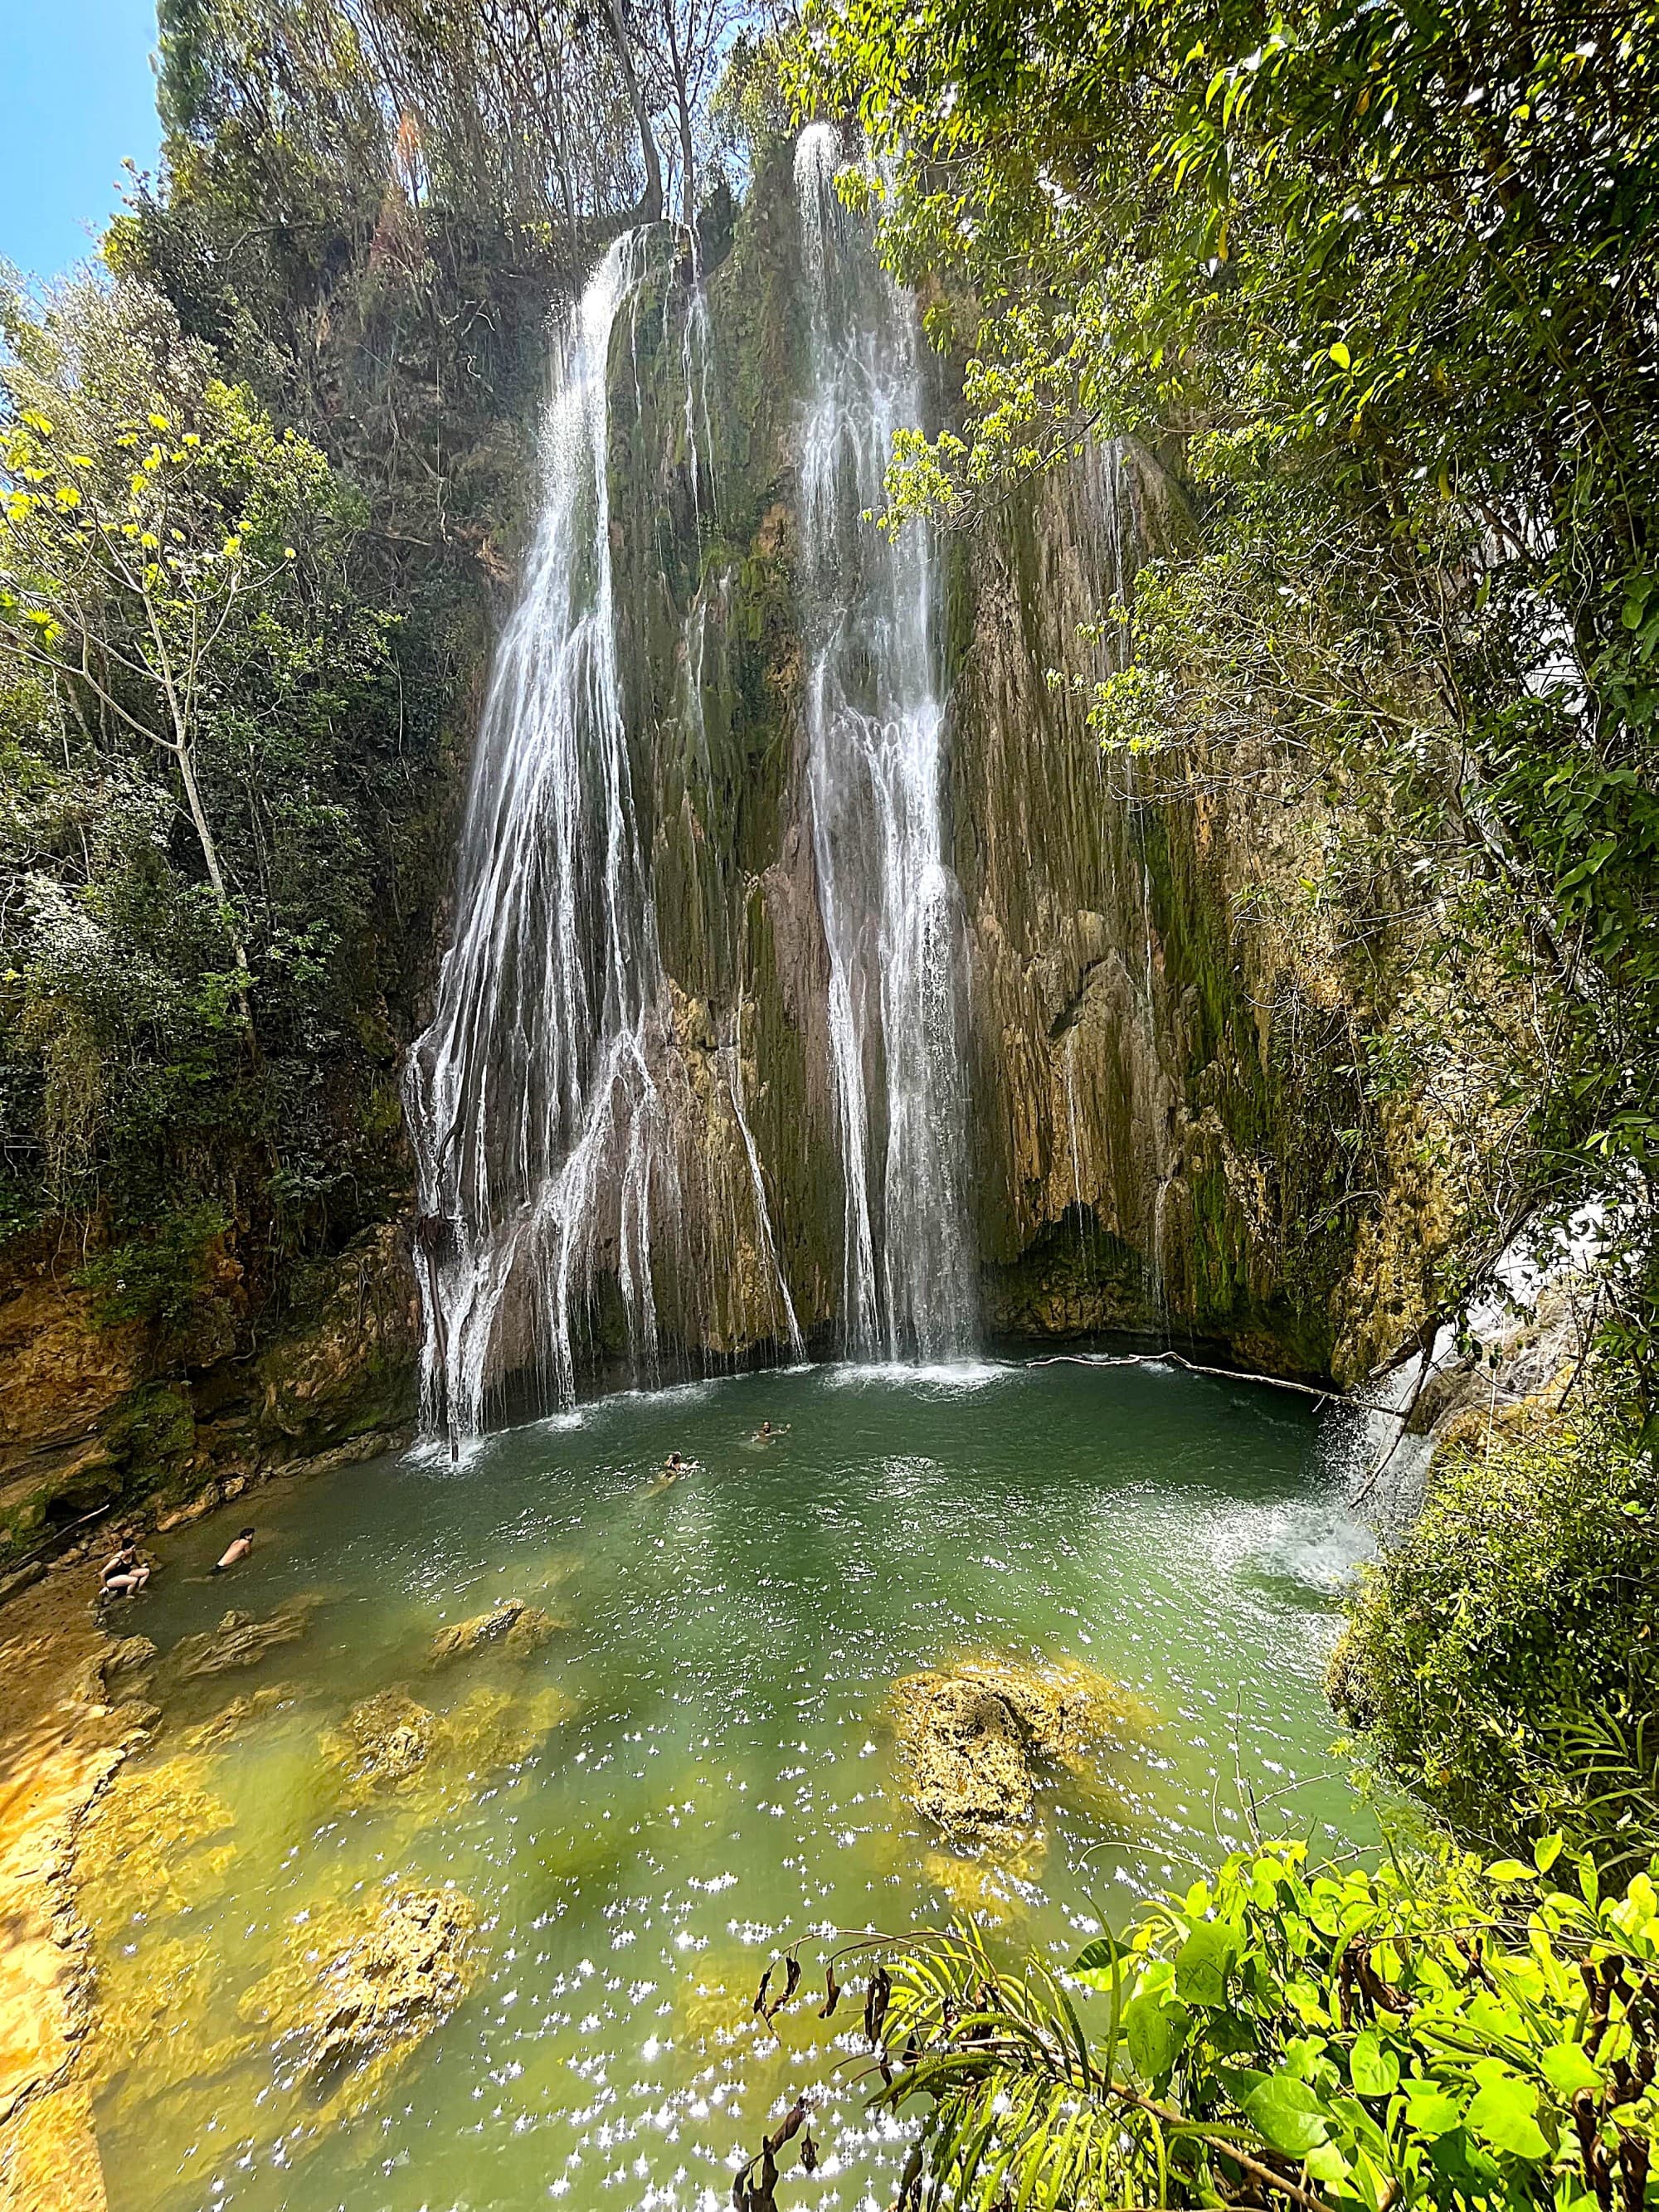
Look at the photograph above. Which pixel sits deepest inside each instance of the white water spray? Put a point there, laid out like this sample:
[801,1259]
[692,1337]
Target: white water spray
[890,904]
[533,1097]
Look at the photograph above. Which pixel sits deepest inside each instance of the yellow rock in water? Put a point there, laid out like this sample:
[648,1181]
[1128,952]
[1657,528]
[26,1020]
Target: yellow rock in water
[230,1719]
[515,1626]
[981,1889]
[975,1738]
[144,1850]
[348,1993]
[383,1739]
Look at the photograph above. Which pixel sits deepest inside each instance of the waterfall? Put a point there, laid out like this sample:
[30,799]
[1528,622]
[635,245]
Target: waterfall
[533,1097]
[889,903]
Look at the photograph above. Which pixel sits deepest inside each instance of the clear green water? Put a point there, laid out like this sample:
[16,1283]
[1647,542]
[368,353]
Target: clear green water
[723,1781]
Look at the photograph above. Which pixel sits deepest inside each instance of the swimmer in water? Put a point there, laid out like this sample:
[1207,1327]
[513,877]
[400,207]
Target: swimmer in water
[235,1552]
[674,1468]
[767,1429]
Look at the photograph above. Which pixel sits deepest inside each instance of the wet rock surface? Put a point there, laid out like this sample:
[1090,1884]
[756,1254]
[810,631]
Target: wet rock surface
[513,1625]
[979,1738]
[59,1754]
[240,1640]
[382,1738]
[129,1657]
[384,1989]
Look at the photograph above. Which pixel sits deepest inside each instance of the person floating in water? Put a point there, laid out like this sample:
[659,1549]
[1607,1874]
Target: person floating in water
[674,1468]
[767,1429]
[126,1573]
[235,1552]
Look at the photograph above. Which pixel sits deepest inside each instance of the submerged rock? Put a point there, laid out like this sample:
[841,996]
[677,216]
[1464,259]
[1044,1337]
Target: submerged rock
[382,1738]
[517,1627]
[389,1746]
[965,1748]
[391,1984]
[129,1655]
[149,1846]
[975,1737]
[230,1719]
[240,1640]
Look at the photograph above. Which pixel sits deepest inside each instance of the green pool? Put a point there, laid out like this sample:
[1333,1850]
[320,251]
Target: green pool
[693,1770]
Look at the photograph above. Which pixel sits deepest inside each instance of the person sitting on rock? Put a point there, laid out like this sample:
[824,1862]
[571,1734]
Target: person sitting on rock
[124,1573]
[235,1552]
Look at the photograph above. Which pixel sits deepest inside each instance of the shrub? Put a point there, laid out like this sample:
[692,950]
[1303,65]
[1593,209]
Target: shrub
[1432,2033]
[1520,1610]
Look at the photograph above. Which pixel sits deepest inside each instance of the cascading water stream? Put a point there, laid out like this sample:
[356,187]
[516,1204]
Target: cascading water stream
[533,1097]
[890,905]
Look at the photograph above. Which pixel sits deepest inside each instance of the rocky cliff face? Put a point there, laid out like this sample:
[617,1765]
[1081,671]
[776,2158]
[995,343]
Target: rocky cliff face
[1156,1080]
[1157,1074]
[101,1422]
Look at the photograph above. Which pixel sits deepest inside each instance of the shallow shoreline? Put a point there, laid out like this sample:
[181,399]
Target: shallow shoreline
[64,1738]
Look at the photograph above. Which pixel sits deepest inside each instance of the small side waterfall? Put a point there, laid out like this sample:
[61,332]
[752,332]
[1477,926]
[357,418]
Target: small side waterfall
[887,900]
[533,1097]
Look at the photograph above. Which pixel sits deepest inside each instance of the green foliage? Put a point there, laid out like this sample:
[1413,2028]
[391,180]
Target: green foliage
[202,729]
[1432,2033]
[1501,1652]
[160,1277]
[1377,280]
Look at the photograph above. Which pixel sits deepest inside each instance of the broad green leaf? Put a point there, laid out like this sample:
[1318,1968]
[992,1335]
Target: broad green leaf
[1340,355]
[1288,2113]
[1567,2067]
[1373,2071]
[1504,2114]
[1430,2111]
[1155,2034]
[1204,1962]
[1329,2165]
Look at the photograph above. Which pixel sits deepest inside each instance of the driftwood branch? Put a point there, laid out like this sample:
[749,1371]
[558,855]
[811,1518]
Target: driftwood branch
[1174,1359]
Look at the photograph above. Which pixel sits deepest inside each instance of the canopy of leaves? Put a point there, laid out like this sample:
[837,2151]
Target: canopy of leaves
[201,724]
[1502,1650]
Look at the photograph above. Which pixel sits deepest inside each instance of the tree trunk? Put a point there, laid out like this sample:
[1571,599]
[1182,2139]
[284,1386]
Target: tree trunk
[215,877]
[651,205]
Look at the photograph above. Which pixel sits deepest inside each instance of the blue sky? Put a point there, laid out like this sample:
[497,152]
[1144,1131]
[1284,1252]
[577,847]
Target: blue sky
[79,99]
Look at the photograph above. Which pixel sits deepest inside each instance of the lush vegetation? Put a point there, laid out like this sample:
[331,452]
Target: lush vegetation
[257,477]
[1434,2033]
[1501,1653]
[1377,282]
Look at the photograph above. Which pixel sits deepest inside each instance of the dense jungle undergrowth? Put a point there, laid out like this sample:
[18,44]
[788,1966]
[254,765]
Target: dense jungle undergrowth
[1376,283]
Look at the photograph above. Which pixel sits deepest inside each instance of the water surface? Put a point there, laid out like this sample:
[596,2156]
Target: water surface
[696,1770]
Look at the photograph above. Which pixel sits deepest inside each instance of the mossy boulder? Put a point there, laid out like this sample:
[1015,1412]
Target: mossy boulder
[513,1625]
[979,1738]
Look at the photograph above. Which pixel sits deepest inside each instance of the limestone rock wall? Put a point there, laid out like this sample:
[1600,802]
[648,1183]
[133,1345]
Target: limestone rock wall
[1153,1093]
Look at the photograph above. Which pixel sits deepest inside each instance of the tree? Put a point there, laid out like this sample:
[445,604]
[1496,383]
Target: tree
[176,647]
[142,577]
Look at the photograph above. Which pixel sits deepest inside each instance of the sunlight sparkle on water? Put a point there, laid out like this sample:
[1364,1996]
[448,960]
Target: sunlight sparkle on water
[693,1769]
